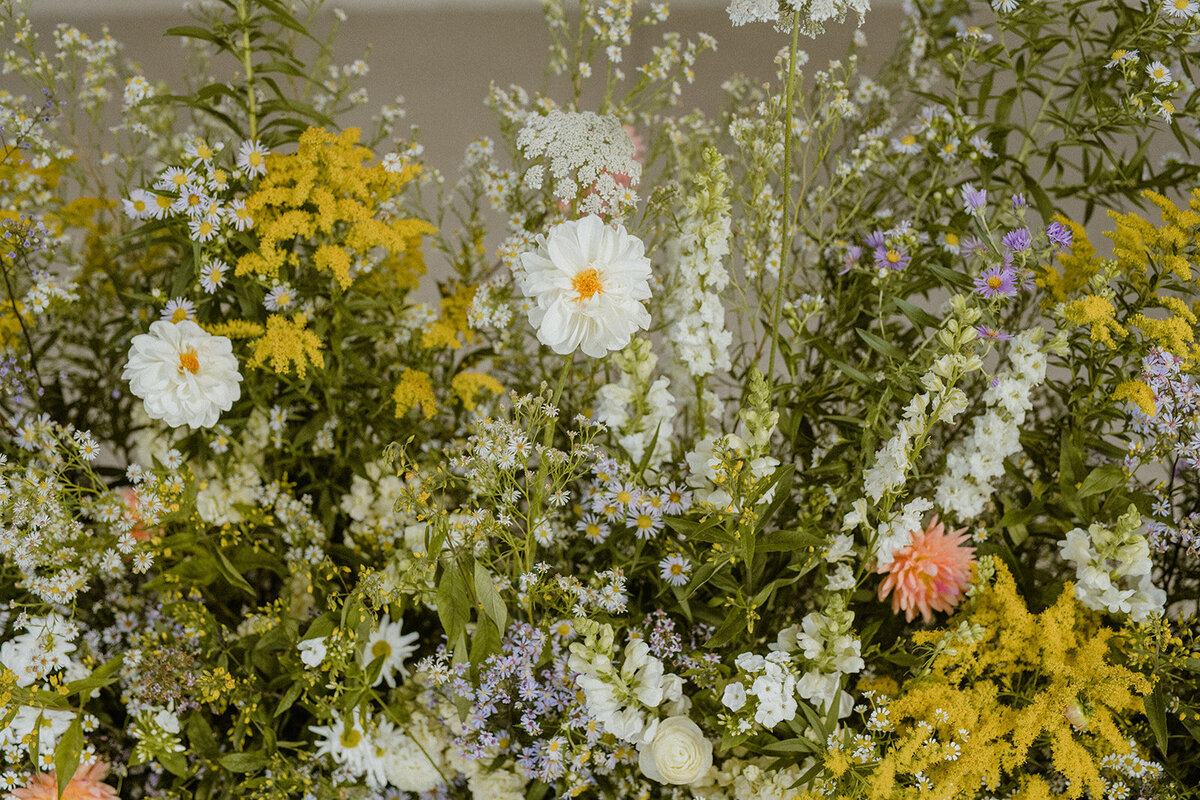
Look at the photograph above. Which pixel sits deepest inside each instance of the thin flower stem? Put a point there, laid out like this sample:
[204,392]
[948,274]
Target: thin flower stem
[785,244]
[248,65]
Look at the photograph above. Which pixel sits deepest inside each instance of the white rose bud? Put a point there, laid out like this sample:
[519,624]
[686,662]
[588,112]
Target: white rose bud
[679,753]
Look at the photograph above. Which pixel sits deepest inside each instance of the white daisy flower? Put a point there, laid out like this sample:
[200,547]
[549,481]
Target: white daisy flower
[184,375]
[674,570]
[1158,72]
[252,158]
[202,228]
[393,646]
[588,281]
[280,298]
[212,275]
[238,215]
[160,206]
[178,309]
[139,205]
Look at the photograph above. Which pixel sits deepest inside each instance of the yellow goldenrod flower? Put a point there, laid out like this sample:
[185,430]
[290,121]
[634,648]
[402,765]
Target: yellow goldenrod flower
[1137,392]
[467,386]
[288,343]
[1098,312]
[415,389]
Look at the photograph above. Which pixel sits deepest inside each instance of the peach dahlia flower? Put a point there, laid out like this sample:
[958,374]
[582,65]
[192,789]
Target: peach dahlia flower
[86,784]
[928,574]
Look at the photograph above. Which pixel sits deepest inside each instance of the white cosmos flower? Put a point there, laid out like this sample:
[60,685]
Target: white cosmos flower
[588,281]
[679,753]
[394,646]
[185,375]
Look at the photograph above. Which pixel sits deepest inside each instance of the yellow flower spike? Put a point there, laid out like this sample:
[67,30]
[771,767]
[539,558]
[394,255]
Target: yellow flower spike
[1139,393]
[1098,312]
[1172,334]
[414,390]
[234,328]
[468,385]
[288,344]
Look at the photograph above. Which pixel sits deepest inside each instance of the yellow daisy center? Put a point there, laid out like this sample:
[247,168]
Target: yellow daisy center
[995,281]
[952,239]
[187,359]
[381,648]
[179,315]
[351,738]
[893,257]
[587,284]
[676,569]
[908,140]
[254,159]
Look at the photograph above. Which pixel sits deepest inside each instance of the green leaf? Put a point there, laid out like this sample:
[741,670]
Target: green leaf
[915,314]
[881,346]
[66,754]
[734,623]
[288,698]
[788,540]
[489,598]
[229,573]
[454,606]
[243,762]
[1101,479]
[851,372]
[1156,715]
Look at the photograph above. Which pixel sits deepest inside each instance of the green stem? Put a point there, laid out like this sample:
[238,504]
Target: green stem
[248,66]
[787,190]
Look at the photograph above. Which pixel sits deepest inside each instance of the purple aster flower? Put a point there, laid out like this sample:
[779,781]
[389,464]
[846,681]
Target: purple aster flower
[973,199]
[1059,235]
[1017,240]
[1019,201]
[986,332]
[891,258]
[853,254]
[996,281]
[969,245]
[875,240]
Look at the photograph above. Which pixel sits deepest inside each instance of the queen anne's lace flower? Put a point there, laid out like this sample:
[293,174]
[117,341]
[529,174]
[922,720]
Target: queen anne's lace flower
[588,281]
[185,375]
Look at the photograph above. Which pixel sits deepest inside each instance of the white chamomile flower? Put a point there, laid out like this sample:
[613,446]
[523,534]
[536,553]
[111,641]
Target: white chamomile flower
[184,375]
[674,570]
[252,158]
[140,204]
[212,275]
[178,309]
[202,228]
[588,281]
[1158,72]
[280,298]
[239,216]
[392,645]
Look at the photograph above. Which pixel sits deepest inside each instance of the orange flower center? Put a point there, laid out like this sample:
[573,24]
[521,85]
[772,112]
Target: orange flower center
[995,281]
[189,361]
[587,284]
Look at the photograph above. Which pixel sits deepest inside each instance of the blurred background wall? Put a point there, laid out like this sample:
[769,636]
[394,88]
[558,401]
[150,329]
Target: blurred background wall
[441,55]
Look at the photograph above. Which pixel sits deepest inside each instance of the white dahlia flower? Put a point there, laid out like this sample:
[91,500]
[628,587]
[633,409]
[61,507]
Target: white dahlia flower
[184,375]
[588,281]
[679,753]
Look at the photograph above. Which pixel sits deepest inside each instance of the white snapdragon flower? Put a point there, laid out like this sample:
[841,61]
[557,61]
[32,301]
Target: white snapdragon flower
[679,753]
[312,651]
[184,375]
[588,281]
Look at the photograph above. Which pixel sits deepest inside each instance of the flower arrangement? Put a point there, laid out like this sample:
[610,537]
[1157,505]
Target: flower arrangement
[806,449]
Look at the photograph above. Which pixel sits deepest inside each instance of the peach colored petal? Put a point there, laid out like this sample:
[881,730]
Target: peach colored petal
[929,574]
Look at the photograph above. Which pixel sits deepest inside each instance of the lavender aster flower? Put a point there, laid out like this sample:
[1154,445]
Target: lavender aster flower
[973,199]
[970,245]
[1017,240]
[874,240]
[853,254]
[891,258]
[1019,201]
[1059,235]
[987,332]
[996,281]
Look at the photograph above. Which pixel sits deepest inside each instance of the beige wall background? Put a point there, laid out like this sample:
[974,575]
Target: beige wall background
[441,55]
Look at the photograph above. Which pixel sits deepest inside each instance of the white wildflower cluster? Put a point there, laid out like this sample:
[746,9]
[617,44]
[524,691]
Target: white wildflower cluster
[750,779]
[830,652]
[590,159]
[941,401]
[763,691]
[639,409]
[1112,568]
[221,492]
[371,504]
[492,307]
[709,467]
[411,757]
[696,316]
[200,193]
[813,13]
[603,592]
[974,463]
[48,523]
[44,647]
[47,288]
[625,700]
[943,134]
